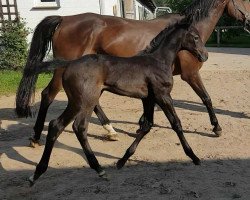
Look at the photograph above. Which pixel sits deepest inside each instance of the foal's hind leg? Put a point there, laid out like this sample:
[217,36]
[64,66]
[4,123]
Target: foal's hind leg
[112,134]
[80,127]
[195,82]
[55,129]
[48,95]
[166,104]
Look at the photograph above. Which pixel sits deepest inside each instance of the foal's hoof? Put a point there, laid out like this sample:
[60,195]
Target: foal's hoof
[218,131]
[197,161]
[34,143]
[112,137]
[120,164]
[103,175]
[31,180]
[138,130]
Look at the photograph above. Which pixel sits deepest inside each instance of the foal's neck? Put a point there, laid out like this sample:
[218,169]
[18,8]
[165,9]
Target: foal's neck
[169,47]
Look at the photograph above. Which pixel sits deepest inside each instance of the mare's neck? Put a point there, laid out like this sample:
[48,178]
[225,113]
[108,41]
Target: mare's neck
[207,25]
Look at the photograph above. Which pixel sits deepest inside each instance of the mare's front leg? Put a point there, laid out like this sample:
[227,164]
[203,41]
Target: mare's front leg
[55,129]
[112,134]
[80,127]
[166,104]
[194,80]
[48,95]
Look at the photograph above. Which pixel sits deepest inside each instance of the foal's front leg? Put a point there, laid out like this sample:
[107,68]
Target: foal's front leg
[131,150]
[166,104]
[148,105]
[147,119]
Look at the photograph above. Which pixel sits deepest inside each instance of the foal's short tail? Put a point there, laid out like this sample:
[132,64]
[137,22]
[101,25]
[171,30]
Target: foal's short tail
[41,43]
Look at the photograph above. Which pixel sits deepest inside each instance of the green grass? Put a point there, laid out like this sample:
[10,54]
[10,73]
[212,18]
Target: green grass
[9,81]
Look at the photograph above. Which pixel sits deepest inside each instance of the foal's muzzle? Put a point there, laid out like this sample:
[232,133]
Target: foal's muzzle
[202,57]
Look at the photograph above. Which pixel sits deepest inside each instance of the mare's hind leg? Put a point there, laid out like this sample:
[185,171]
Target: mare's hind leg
[166,104]
[80,127]
[55,129]
[112,134]
[48,95]
[195,82]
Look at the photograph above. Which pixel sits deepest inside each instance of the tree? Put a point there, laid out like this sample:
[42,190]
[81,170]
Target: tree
[13,45]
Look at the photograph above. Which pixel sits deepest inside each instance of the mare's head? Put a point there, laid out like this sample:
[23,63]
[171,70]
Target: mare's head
[240,10]
[191,40]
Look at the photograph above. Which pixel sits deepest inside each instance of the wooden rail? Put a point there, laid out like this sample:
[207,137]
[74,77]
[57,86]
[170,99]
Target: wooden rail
[219,32]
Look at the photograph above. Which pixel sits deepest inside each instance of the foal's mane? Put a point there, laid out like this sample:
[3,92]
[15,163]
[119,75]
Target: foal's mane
[200,9]
[154,44]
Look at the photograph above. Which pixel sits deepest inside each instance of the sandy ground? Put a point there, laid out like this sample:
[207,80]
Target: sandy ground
[159,169]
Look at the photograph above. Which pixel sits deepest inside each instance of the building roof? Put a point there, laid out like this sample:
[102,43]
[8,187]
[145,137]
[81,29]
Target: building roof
[150,4]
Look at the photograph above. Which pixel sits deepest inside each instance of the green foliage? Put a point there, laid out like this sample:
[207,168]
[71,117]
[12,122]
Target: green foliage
[13,45]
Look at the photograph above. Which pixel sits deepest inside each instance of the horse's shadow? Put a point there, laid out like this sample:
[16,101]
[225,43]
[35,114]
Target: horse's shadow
[199,107]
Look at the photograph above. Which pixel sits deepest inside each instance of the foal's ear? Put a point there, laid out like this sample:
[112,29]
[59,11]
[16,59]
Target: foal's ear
[187,21]
[190,19]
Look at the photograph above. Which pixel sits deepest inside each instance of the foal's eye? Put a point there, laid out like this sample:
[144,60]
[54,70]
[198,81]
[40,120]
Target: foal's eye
[196,38]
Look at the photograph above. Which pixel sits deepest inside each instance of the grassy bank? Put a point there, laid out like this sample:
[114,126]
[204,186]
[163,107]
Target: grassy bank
[9,81]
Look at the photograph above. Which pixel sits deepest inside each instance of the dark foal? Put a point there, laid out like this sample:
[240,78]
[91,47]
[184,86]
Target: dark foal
[147,76]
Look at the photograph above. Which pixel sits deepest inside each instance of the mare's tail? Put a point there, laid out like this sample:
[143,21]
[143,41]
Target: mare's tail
[40,44]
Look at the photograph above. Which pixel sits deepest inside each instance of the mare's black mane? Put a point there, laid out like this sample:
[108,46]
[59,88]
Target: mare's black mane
[200,9]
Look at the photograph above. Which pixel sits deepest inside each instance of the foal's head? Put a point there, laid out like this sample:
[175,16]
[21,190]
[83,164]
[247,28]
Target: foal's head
[191,40]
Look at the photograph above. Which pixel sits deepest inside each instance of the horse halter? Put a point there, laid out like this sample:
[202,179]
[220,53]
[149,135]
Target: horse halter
[244,12]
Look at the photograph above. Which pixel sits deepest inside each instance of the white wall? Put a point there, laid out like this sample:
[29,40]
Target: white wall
[67,7]
[137,5]
[108,5]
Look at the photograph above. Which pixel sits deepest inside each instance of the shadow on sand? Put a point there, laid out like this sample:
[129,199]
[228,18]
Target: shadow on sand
[214,179]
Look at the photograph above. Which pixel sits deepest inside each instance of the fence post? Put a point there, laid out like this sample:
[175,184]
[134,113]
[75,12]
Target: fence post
[218,36]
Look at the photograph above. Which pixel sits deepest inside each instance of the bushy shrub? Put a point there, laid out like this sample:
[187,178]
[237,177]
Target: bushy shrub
[13,45]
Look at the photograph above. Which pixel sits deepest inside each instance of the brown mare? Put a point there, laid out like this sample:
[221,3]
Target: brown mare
[74,36]
[147,76]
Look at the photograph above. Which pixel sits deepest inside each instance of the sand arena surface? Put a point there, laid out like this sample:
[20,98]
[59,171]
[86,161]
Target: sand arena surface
[159,169]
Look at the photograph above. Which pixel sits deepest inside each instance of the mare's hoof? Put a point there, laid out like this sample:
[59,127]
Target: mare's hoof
[217,131]
[197,161]
[112,137]
[120,164]
[31,180]
[34,143]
